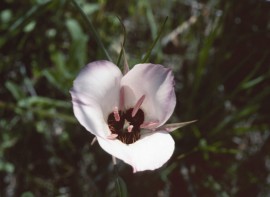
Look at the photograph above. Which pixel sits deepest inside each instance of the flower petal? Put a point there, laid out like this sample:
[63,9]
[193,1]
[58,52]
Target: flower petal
[148,153]
[155,82]
[100,80]
[95,93]
[89,114]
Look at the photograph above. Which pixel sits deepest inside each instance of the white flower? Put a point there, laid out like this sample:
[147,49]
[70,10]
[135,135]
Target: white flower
[127,113]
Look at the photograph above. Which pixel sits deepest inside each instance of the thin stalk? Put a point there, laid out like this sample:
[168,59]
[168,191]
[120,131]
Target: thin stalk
[124,41]
[117,182]
[146,57]
[92,29]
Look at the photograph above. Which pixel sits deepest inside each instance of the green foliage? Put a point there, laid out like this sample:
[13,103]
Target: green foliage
[219,52]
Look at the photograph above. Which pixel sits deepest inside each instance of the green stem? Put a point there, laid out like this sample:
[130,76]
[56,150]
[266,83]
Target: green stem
[117,183]
[146,57]
[92,29]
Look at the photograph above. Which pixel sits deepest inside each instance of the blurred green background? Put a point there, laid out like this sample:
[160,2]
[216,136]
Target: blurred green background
[220,54]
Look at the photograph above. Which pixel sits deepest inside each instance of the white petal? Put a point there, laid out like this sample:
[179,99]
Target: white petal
[148,153]
[100,81]
[89,114]
[157,84]
[95,93]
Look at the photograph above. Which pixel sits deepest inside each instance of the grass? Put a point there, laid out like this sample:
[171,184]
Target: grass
[220,62]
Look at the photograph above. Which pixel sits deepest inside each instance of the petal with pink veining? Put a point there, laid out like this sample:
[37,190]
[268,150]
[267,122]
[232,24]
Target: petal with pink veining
[95,94]
[157,84]
[89,114]
[148,153]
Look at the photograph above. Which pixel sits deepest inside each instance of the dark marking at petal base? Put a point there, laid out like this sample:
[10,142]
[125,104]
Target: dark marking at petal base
[117,127]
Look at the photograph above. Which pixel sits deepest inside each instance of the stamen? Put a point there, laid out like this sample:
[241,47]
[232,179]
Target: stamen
[137,106]
[112,136]
[130,127]
[123,126]
[149,125]
[116,114]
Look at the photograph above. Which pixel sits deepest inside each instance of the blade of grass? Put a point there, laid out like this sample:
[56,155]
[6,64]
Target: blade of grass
[22,20]
[124,41]
[238,88]
[92,29]
[146,57]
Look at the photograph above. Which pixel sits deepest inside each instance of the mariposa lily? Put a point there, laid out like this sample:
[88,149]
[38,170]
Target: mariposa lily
[127,113]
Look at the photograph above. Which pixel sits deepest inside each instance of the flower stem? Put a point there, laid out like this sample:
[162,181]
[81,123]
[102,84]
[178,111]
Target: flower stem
[117,182]
[92,29]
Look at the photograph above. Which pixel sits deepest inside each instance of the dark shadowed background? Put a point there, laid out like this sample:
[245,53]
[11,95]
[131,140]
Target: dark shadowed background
[220,54]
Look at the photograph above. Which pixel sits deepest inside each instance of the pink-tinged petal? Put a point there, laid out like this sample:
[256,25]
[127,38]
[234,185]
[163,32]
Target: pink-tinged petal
[148,153]
[95,94]
[157,84]
[89,114]
[173,126]
[100,81]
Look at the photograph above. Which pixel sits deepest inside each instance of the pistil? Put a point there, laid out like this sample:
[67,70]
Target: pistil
[130,127]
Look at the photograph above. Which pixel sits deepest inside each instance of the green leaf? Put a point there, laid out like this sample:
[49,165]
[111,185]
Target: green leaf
[92,29]
[27,194]
[15,90]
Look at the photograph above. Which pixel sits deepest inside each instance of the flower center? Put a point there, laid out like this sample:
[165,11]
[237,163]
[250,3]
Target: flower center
[126,125]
